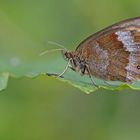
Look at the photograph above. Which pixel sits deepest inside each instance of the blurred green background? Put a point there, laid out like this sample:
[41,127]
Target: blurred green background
[44,108]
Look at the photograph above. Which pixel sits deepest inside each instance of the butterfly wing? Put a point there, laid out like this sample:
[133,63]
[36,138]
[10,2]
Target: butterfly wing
[114,53]
[120,25]
[130,39]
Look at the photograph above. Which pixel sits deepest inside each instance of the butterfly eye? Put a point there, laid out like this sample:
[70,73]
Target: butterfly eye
[138,67]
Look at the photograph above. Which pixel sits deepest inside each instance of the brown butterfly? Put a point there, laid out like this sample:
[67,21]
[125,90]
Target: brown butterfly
[112,54]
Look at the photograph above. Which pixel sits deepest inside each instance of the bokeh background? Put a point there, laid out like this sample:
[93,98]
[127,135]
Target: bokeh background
[44,108]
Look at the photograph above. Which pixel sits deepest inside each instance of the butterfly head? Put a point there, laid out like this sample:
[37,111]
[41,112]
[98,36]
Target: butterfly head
[75,63]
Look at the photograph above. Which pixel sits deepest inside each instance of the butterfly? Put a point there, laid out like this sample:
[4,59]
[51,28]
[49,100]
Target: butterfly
[112,54]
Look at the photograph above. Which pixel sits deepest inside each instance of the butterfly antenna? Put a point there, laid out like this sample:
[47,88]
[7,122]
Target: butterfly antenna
[48,51]
[61,48]
[57,44]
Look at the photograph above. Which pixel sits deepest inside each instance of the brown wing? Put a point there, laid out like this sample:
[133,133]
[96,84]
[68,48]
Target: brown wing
[122,24]
[114,55]
[130,39]
[123,47]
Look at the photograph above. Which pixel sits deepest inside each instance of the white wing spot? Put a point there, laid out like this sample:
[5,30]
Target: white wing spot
[103,61]
[128,41]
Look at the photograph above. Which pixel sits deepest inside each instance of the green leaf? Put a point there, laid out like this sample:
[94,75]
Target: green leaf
[3,80]
[84,83]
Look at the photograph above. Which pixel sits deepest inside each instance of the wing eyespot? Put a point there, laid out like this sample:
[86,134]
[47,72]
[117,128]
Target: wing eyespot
[138,67]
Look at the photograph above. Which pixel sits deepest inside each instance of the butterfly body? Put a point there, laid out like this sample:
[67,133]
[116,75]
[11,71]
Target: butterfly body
[111,54]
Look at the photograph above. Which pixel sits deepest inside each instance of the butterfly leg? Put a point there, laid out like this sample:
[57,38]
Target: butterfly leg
[93,82]
[54,74]
[108,84]
[90,76]
[61,74]
[65,69]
